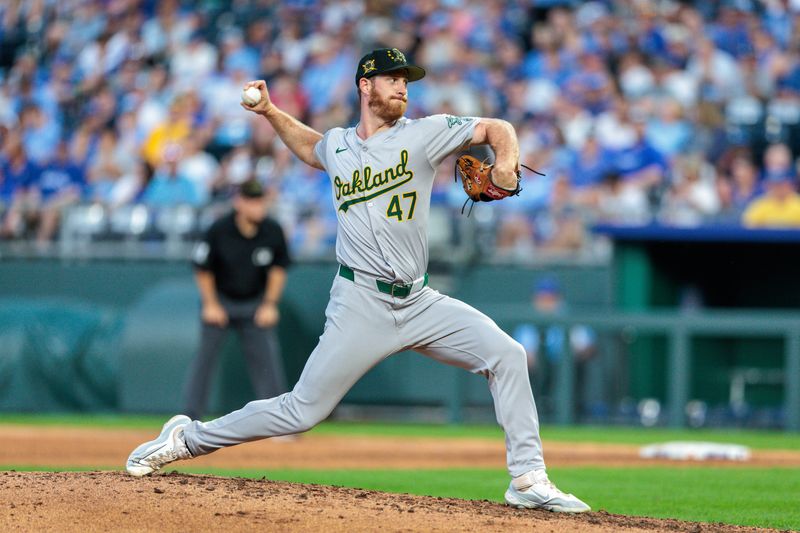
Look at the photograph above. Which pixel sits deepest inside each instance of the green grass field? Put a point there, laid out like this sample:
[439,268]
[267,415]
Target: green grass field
[766,497]
[754,497]
[759,440]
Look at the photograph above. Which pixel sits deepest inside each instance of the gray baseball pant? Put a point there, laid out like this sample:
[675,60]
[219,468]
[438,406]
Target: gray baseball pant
[362,328]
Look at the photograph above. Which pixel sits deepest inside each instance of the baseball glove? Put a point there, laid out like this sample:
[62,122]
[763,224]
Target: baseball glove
[476,178]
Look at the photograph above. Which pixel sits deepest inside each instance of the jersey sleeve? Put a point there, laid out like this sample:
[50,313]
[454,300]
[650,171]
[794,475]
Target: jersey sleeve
[444,134]
[321,150]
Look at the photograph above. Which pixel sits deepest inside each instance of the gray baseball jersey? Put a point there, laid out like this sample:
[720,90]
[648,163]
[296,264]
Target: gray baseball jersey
[381,188]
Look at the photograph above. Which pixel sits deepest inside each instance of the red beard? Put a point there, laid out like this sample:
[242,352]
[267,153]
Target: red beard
[387,109]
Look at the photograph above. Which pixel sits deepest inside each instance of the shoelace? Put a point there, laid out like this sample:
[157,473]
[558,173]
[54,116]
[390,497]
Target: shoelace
[161,458]
[546,482]
[168,454]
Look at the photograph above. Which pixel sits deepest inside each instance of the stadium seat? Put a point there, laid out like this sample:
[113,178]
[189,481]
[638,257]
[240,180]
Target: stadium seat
[784,119]
[744,117]
[176,221]
[82,224]
[210,213]
[177,225]
[130,222]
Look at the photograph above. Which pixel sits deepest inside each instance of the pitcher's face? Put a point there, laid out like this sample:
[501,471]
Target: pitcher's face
[388,95]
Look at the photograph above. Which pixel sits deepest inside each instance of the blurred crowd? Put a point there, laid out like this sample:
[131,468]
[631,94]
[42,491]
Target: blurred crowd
[637,112]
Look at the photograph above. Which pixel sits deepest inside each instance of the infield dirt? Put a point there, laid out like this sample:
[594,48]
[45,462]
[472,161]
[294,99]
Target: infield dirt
[108,448]
[114,501]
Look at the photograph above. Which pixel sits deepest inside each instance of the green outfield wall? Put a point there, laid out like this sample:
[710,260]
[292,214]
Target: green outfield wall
[119,335]
[115,335]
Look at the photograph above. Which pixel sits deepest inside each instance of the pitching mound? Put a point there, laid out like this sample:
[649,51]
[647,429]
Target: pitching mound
[113,501]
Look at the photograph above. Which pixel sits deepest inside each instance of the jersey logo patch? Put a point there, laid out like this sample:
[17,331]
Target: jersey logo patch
[262,256]
[452,121]
[340,150]
[200,253]
[397,176]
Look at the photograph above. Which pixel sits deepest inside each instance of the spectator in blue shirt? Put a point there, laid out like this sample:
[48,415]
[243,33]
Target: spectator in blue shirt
[18,171]
[789,81]
[168,187]
[669,133]
[730,33]
[328,75]
[8,186]
[237,55]
[59,184]
[589,165]
[8,189]
[639,164]
[59,176]
[40,135]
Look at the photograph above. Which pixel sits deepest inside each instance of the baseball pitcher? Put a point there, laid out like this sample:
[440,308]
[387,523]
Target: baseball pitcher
[381,175]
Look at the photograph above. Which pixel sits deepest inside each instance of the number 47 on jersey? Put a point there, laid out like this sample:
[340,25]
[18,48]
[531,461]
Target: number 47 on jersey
[395,209]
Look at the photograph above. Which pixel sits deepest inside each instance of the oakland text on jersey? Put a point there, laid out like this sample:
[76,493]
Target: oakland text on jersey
[372,181]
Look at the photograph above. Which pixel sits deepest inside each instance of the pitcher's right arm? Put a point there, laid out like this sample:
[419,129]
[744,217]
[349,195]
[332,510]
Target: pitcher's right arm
[300,138]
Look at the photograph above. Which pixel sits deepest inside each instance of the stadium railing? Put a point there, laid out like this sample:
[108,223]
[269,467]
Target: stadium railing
[678,328]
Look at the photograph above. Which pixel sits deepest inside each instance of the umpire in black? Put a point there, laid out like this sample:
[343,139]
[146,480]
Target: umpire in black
[240,270]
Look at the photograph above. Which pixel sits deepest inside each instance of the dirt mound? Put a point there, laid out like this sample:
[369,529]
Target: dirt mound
[114,501]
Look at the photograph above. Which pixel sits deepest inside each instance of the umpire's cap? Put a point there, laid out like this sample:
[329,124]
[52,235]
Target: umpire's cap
[385,60]
[251,188]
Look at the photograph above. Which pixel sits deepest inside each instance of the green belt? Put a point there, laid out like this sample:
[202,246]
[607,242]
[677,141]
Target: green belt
[399,290]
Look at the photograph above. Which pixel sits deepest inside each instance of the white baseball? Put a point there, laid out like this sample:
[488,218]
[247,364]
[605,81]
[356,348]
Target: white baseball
[251,96]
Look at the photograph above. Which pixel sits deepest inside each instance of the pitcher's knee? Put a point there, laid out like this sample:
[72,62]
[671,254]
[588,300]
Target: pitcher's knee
[304,425]
[513,357]
[303,413]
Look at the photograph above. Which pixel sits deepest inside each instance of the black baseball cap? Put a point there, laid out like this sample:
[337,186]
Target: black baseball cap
[385,60]
[251,188]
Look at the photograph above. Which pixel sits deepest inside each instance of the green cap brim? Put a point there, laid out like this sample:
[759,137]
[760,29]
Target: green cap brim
[414,72]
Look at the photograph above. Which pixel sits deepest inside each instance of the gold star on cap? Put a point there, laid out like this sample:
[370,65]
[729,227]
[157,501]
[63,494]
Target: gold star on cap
[368,66]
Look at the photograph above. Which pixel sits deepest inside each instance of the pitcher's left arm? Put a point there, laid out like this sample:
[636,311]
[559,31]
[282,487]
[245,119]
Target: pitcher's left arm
[502,139]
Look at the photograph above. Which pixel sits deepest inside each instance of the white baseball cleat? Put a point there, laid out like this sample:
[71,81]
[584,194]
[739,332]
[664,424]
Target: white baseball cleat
[535,491]
[167,447]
